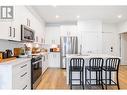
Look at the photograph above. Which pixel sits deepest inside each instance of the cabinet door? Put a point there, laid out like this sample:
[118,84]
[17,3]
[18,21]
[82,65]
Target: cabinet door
[51,60]
[16,24]
[57,60]
[68,30]
[91,43]
[5,30]
[53,35]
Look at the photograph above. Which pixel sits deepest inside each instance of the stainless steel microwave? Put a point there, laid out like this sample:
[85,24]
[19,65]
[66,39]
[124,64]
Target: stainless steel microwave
[27,34]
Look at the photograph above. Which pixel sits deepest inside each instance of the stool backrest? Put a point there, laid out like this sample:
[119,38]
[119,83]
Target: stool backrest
[113,63]
[77,62]
[96,62]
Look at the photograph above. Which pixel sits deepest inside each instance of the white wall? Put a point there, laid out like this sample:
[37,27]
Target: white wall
[110,38]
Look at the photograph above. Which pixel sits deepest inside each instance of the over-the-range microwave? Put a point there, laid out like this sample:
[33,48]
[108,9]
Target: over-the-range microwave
[27,34]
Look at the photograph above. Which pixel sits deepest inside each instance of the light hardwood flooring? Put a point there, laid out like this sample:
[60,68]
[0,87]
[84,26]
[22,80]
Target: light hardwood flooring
[56,79]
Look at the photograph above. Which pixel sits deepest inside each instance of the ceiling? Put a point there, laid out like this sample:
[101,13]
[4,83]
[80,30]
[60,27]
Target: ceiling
[68,14]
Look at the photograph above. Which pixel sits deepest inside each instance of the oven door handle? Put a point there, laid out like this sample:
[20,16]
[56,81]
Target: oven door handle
[37,62]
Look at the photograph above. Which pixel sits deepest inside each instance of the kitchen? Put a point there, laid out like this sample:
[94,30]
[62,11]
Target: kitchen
[42,37]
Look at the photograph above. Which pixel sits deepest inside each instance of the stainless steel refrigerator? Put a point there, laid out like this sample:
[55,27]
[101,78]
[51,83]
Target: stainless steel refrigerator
[68,45]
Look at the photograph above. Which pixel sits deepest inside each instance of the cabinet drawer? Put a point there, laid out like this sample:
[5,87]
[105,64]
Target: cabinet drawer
[22,67]
[22,85]
[21,79]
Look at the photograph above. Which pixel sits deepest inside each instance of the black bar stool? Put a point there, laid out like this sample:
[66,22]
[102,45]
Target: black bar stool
[111,65]
[76,65]
[95,65]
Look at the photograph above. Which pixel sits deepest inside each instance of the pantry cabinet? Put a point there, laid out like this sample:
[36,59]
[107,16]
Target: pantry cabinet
[90,36]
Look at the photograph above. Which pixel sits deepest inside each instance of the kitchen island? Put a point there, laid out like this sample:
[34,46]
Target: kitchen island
[86,57]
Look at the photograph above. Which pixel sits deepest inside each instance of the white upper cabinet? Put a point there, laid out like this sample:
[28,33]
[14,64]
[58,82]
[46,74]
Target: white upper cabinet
[68,30]
[90,25]
[11,29]
[5,30]
[52,35]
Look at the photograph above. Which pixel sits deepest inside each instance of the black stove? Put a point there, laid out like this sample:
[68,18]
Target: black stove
[36,70]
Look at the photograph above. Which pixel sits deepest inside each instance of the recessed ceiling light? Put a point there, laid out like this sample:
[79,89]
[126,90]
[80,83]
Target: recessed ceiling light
[78,17]
[119,16]
[57,16]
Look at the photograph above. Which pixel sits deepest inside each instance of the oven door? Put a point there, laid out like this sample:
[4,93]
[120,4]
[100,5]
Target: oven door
[36,72]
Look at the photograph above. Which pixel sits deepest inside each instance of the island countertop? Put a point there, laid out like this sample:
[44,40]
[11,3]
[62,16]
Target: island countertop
[91,55]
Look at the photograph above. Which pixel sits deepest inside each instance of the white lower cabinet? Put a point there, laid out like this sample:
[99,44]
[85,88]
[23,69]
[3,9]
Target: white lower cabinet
[44,63]
[16,76]
[54,60]
[21,77]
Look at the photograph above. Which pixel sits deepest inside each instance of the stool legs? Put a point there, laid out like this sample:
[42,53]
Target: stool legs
[71,80]
[83,79]
[106,83]
[80,78]
[117,80]
[106,79]
[85,76]
[96,78]
[90,76]
[109,77]
[101,80]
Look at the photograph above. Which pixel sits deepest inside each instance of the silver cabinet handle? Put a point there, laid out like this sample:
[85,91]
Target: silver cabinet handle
[24,87]
[10,31]
[14,32]
[23,66]
[23,74]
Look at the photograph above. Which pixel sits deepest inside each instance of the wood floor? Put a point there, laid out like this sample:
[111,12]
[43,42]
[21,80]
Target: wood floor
[56,79]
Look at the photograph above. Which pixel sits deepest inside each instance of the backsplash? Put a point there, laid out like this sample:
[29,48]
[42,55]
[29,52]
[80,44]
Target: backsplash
[4,44]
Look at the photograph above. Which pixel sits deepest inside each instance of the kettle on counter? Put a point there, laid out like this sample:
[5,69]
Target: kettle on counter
[9,53]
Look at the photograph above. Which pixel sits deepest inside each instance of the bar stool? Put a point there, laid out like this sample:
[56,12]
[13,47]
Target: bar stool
[76,65]
[95,65]
[111,65]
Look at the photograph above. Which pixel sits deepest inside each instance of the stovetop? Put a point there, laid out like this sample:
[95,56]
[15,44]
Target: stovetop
[36,57]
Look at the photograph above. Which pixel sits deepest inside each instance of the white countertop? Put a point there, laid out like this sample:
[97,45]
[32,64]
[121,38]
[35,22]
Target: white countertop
[91,55]
[15,61]
[42,53]
[20,60]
